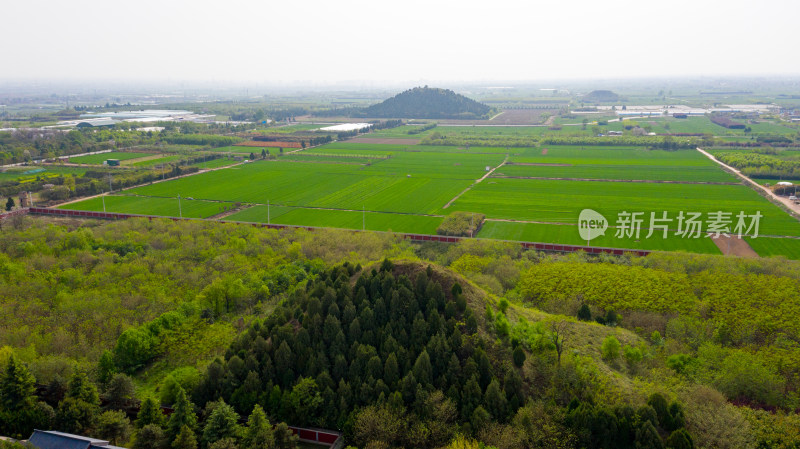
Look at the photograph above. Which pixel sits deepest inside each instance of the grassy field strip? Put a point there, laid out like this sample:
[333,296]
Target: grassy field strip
[143,159]
[30,173]
[573,162]
[765,247]
[315,185]
[150,162]
[400,132]
[98,159]
[215,163]
[600,174]
[374,221]
[383,186]
[568,235]
[394,148]
[167,207]
[561,201]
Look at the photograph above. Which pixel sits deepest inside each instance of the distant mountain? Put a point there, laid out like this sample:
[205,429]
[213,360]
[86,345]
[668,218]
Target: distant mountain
[600,96]
[429,103]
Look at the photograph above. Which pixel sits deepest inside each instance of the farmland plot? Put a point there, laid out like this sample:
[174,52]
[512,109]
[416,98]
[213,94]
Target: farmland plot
[97,159]
[616,163]
[562,201]
[401,189]
[167,207]
[373,221]
[568,235]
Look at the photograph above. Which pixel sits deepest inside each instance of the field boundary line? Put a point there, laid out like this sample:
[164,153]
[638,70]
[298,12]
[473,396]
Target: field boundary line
[478,181]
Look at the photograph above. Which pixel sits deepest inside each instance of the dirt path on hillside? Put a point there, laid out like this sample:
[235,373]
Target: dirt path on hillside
[489,173]
[734,246]
[794,208]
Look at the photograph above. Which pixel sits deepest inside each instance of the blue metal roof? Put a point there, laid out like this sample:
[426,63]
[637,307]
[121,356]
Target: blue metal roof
[50,439]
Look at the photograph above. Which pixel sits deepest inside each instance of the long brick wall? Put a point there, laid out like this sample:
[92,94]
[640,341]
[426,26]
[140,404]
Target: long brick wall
[548,247]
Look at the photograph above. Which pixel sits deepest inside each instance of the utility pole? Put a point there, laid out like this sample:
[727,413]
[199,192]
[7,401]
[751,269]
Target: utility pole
[110,187]
[363,218]
[267,211]
[104,203]
[180,212]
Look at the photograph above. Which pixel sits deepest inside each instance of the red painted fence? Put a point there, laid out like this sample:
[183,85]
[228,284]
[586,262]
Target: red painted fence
[329,438]
[548,247]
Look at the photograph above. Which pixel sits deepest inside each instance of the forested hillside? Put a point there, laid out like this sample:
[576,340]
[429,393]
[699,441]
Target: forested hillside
[428,103]
[394,344]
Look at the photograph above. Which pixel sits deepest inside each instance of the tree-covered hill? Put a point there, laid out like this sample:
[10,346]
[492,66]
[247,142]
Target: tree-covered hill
[428,103]
[396,344]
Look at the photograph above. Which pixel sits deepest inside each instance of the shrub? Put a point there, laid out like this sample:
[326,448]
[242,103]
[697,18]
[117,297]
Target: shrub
[463,224]
[610,348]
[584,314]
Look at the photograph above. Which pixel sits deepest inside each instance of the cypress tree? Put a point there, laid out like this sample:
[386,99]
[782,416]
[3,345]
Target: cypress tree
[423,371]
[221,424]
[106,367]
[680,439]
[258,434]
[150,436]
[149,414]
[182,416]
[185,439]
[17,386]
[647,437]
[495,401]
[659,404]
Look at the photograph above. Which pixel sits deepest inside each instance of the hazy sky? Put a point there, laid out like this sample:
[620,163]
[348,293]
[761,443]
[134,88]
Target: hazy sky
[332,41]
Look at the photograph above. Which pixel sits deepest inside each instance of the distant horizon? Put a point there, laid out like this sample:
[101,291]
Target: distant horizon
[180,87]
[360,42]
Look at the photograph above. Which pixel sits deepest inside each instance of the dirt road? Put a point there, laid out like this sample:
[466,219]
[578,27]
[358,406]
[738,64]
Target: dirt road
[734,246]
[795,208]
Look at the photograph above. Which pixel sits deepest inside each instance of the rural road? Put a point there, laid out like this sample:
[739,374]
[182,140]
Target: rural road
[785,201]
[476,182]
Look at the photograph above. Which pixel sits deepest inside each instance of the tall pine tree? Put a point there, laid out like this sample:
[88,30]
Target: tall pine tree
[182,416]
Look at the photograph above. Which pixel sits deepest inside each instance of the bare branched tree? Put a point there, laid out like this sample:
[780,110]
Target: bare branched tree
[559,337]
